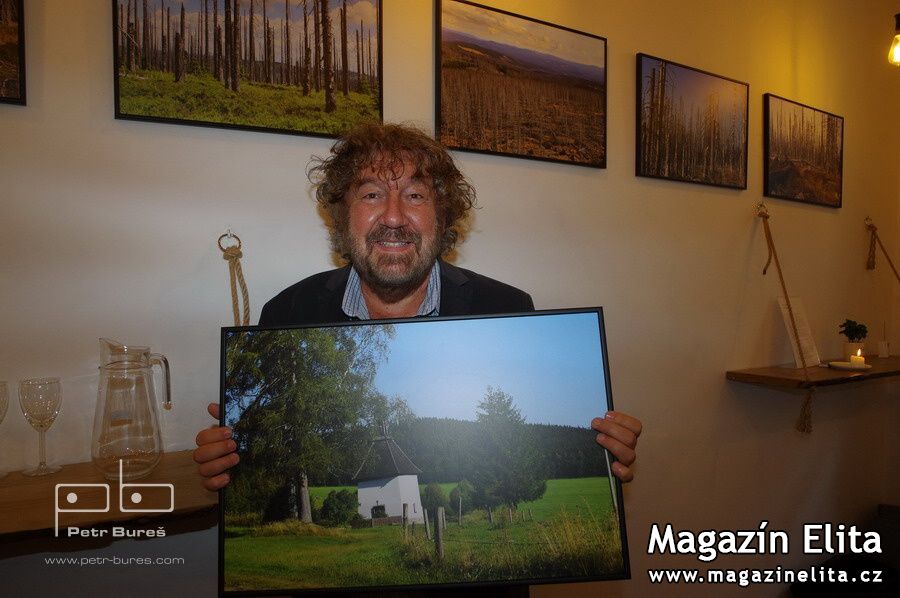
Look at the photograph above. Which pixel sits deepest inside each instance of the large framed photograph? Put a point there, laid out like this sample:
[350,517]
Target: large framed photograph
[516,86]
[429,452]
[691,124]
[804,152]
[305,67]
[12,52]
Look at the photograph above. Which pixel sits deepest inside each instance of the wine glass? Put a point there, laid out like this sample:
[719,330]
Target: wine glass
[4,403]
[40,399]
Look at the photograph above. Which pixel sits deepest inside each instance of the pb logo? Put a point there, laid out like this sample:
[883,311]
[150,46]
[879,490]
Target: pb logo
[95,498]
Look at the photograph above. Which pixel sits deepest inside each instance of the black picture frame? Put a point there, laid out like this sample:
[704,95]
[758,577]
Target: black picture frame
[240,342]
[804,163]
[153,96]
[467,101]
[670,142]
[12,55]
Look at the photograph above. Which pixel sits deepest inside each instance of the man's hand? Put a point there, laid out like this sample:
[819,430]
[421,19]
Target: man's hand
[618,433]
[215,453]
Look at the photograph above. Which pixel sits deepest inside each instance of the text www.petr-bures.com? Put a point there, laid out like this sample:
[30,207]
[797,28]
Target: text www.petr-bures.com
[113,560]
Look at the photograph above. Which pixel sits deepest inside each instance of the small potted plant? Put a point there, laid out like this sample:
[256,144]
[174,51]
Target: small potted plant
[855,333]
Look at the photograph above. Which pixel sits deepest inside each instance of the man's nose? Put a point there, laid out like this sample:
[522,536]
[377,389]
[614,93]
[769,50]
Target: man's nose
[394,214]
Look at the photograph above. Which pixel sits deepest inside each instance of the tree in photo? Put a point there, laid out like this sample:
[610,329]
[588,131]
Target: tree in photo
[511,466]
[304,397]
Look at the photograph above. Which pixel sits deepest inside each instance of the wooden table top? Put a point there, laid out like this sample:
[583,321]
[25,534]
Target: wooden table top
[787,377]
[29,503]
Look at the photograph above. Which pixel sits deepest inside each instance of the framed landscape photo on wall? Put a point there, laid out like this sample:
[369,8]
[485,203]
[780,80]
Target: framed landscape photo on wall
[804,152]
[12,52]
[691,124]
[516,86]
[365,467]
[305,67]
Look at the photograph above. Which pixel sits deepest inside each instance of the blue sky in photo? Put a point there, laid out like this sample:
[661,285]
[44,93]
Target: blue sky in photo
[551,365]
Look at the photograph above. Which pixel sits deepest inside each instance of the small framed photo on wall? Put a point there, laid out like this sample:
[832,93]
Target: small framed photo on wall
[12,52]
[804,152]
[516,86]
[303,67]
[691,124]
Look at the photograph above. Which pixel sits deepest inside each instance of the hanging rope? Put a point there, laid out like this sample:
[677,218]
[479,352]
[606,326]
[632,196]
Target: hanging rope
[804,421]
[232,254]
[873,239]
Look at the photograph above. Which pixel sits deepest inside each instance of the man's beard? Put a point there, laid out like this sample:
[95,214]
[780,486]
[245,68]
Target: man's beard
[393,276]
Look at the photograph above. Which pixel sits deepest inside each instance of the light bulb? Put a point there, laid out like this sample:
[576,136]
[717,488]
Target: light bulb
[894,52]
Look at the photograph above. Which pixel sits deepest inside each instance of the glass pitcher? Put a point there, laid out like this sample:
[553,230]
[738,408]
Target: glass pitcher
[126,424]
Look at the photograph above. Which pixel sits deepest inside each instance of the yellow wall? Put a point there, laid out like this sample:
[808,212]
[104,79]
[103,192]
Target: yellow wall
[108,228]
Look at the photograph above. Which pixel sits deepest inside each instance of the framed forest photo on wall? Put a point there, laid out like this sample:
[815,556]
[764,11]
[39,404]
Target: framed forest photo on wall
[515,86]
[364,466]
[12,52]
[804,152]
[691,125]
[306,67]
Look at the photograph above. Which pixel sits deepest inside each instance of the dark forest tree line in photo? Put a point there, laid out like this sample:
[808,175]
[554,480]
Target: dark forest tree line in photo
[222,39]
[691,143]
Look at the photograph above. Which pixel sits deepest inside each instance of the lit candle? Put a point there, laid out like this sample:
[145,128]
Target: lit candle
[857,360]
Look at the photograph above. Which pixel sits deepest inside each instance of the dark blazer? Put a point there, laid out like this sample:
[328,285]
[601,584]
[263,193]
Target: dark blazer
[317,299]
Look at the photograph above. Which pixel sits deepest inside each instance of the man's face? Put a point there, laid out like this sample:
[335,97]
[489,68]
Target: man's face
[393,228]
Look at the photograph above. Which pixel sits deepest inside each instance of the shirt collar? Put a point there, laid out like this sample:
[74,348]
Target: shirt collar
[354,304]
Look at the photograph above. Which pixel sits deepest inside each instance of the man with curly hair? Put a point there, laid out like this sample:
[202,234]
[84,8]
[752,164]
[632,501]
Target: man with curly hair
[396,203]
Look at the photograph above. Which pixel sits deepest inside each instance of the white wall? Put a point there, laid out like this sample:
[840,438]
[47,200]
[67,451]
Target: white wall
[392,493]
[108,228]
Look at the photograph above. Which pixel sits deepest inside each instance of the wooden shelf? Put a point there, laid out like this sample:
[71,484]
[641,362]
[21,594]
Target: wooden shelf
[786,377]
[27,503]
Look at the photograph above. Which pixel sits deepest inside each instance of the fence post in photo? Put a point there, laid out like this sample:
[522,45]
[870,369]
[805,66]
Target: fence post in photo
[443,518]
[459,509]
[405,520]
[509,513]
[439,534]
[490,516]
[427,525]
[530,515]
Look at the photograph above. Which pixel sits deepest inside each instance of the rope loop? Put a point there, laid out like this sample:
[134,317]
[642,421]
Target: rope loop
[232,254]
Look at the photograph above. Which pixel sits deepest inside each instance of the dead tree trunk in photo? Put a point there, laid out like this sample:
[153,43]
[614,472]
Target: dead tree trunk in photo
[345,76]
[304,73]
[164,45]
[287,44]
[236,47]
[179,49]
[267,72]
[179,64]
[226,56]
[317,42]
[358,64]
[123,35]
[145,37]
[205,35]
[129,35]
[251,43]
[270,57]
[327,65]
[371,67]
[217,43]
